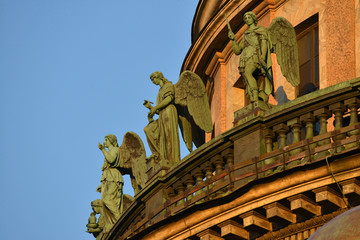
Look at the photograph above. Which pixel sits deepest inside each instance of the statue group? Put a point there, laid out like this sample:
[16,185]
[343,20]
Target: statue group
[185,105]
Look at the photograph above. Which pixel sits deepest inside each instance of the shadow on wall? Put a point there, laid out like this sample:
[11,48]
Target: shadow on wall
[280,96]
[307,88]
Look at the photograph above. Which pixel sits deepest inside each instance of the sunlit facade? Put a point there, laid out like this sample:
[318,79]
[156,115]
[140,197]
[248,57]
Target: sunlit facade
[275,174]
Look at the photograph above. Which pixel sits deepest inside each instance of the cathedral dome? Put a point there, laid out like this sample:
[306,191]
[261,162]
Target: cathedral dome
[344,226]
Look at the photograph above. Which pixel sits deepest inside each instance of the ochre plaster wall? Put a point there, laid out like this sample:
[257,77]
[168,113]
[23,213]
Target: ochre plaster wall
[357,36]
[340,36]
[296,11]
[215,102]
[236,96]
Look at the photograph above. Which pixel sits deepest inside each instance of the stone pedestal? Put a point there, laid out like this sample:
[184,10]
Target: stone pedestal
[155,169]
[250,112]
[251,144]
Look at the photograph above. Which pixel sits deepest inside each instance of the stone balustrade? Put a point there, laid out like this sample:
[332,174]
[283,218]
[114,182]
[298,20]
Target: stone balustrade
[315,128]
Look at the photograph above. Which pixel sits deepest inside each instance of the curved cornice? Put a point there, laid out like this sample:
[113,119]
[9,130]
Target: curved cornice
[205,11]
[213,35]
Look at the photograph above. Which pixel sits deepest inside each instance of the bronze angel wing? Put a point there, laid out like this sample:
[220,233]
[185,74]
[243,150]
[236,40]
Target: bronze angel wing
[193,109]
[283,37]
[133,160]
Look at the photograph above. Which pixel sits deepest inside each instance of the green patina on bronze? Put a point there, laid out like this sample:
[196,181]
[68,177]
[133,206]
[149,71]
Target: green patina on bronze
[129,158]
[255,50]
[184,104]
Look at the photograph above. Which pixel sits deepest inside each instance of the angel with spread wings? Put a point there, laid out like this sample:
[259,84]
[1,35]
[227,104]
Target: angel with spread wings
[184,104]
[255,58]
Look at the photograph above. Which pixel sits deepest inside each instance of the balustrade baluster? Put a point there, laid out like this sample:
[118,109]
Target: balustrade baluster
[309,120]
[219,169]
[295,125]
[228,155]
[189,183]
[353,104]
[179,187]
[199,176]
[281,130]
[170,195]
[219,163]
[338,109]
[269,136]
[208,168]
[322,114]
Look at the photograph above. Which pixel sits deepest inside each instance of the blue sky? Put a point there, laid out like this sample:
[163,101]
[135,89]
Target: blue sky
[71,72]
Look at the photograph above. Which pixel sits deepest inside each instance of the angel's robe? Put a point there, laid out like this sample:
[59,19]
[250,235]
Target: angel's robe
[251,55]
[162,134]
[111,188]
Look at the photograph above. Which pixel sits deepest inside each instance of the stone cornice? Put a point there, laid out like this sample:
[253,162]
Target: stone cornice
[292,229]
[213,36]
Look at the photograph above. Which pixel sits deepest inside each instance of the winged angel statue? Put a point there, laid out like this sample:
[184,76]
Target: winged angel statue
[255,58]
[129,158]
[184,104]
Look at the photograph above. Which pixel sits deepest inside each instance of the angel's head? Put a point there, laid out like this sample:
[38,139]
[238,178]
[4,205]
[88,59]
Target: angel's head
[112,139]
[157,76]
[250,17]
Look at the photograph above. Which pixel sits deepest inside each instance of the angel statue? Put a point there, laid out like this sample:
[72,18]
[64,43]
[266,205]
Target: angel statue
[184,104]
[255,58]
[129,158]
[111,187]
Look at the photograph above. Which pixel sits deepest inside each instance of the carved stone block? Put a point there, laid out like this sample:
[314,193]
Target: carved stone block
[279,213]
[233,230]
[246,148]
[209,234]
[351,189]
[300,204]
[328,198]
[254,221]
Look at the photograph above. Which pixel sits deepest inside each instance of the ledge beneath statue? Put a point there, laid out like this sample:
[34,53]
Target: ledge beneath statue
[155,169]
[249,112]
